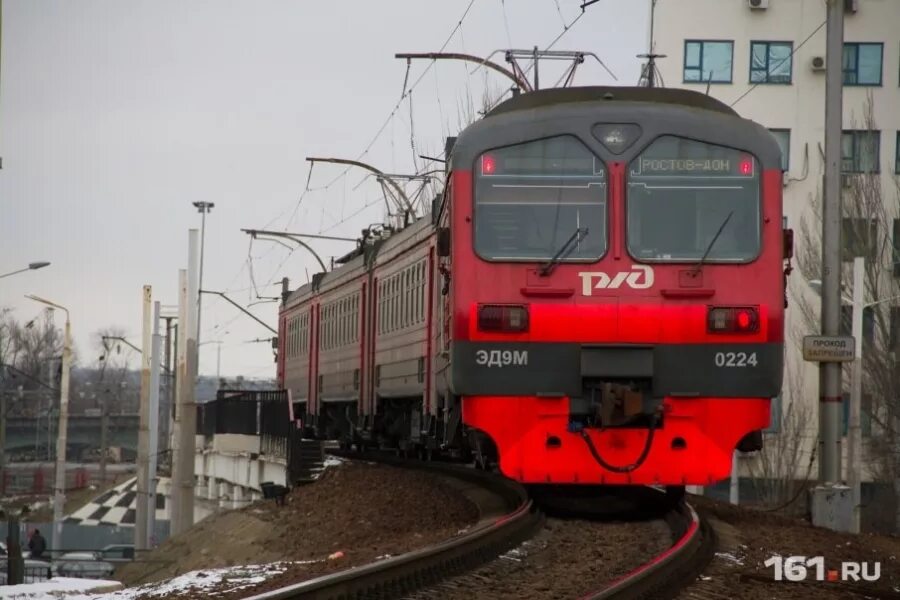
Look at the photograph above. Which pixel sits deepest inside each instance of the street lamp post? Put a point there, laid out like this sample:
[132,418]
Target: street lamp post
[31,267]
[60,491]
[203,208]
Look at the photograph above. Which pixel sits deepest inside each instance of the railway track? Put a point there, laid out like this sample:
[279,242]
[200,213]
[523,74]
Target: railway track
[453,564]
[669,572]
[393,577]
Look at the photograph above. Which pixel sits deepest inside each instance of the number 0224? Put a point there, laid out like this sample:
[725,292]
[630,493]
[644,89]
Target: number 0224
[736,359]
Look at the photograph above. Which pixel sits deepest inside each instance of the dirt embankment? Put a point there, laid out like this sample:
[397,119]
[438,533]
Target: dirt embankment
[361,510]
[748,538]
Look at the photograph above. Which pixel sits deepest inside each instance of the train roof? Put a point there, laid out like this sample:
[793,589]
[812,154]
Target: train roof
[354,263]
[578,111]
[551,96]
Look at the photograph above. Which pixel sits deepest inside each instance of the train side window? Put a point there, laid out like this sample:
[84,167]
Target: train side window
[400,303]
[381,307]
[422,283]
[393,318]
[406,303]
[407,289]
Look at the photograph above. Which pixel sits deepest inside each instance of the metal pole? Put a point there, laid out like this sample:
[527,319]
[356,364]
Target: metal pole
[188,388]
[3,443]
[59,498]
[167,403]
[104,441]
[203,208]
[830,396]
[15,564]
[175,379]
[154,427]
[143,449]
[175,510]
[854,450]
[734,488]
[200,284]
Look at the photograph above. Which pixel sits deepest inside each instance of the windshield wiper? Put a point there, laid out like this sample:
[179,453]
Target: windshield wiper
[712,243]
[564,251]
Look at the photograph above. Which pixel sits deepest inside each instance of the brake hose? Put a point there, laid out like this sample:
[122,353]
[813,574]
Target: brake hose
[627,468]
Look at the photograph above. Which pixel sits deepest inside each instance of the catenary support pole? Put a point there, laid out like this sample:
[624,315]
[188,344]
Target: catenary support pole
[175,511]
[143,449]
[154,427]
[831,503]
[830,396]
[185,482]
[169,400]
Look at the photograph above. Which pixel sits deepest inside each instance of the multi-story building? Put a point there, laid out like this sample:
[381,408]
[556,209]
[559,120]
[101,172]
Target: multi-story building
[766,59]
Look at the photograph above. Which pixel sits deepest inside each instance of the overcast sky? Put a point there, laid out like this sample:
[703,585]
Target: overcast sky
[116,115]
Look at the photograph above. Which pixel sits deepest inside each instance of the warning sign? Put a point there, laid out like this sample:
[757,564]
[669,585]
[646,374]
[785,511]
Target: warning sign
[829,348]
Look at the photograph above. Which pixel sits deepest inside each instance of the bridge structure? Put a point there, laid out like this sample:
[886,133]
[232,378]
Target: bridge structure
[34,438]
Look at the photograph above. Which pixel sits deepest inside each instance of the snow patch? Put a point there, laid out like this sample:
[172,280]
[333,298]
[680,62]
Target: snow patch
[730,557]
[196,584]
[333,461]
[57,587]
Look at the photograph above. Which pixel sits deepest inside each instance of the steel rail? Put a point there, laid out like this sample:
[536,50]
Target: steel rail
[413,570]
[668,572]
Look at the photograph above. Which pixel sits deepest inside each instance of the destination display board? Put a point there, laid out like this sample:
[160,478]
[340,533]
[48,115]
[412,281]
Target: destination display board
[677,157]
[560,156]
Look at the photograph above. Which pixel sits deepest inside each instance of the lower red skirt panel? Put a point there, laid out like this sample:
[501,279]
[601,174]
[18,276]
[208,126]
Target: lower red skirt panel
[710,428]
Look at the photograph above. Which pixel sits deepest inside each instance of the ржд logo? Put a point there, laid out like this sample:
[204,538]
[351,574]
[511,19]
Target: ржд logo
[640,277]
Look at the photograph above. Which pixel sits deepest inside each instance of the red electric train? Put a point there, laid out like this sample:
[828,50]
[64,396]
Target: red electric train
[598,297]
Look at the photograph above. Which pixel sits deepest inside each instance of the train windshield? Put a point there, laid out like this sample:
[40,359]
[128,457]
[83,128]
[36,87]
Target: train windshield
[687,199]
[531,198]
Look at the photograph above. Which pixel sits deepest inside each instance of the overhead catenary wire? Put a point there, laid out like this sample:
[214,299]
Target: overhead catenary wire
[396,107]
[506,22]
[566,29]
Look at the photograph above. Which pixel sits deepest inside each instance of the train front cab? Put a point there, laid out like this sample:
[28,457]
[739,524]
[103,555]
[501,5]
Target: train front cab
[616,294]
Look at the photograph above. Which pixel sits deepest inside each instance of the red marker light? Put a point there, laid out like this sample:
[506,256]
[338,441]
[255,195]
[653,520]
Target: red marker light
[743,319]
[488,166]
[746,166]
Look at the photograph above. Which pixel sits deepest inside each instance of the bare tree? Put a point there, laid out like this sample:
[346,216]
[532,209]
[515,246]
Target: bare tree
[870,207]
[782,469]
[113,368]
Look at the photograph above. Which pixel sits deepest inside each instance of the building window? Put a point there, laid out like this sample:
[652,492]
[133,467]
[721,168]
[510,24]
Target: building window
[783,137]
[707,61]
[771,62]
[897,155]
[860,151]
[895,248]
[862,63]
[895,330]
[860,238]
